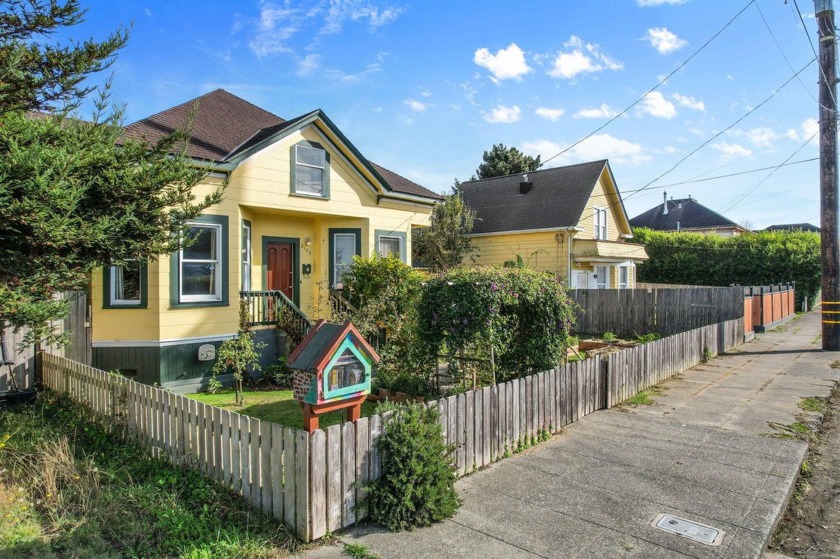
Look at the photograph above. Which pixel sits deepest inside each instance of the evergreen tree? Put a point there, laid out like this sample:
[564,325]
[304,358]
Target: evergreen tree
[74,194]
[445,244]
[502,161]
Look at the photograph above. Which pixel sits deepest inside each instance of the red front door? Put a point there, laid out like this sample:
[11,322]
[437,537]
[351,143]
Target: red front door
[280,268]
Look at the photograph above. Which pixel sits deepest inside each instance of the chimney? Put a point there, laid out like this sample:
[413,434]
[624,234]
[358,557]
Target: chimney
[525,186]
[664,203]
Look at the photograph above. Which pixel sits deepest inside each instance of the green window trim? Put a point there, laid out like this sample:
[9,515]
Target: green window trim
[325,185]
[175,268]
[401,235]
[144,290]
[332,233]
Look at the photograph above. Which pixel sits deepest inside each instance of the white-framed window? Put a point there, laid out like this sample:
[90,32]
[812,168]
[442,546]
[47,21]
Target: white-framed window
[602,277]
[344,249]
[310,171]
[601,224]
[126,284]
[391,245]
[246,256]
[201,264]
[623,277]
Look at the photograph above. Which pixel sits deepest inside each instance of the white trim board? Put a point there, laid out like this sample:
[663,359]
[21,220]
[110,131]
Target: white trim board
[161,343]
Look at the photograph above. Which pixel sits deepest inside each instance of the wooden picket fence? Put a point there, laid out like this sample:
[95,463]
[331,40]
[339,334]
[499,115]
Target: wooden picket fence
[313,482]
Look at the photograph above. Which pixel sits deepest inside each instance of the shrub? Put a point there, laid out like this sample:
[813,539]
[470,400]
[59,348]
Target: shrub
[386,292]
[417,486]
[524,314]
[280,375]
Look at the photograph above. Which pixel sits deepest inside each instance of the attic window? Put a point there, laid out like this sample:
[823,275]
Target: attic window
[600,223]
[310,174]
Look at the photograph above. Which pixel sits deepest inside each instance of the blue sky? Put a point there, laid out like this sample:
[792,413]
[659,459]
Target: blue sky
[424,88]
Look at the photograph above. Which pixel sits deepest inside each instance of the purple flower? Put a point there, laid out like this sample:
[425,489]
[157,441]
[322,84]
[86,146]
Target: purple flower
[466,321]
[494,287]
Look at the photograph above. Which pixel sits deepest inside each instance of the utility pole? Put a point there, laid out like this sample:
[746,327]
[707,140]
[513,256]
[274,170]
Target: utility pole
[828,177]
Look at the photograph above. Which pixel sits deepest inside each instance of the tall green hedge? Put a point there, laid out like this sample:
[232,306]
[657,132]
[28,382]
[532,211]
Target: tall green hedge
[763,258]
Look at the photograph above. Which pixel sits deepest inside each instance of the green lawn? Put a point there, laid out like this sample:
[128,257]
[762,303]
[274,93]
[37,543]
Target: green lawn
[276,406]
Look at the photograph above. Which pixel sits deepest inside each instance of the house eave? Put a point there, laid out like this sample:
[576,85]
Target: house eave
[569,229]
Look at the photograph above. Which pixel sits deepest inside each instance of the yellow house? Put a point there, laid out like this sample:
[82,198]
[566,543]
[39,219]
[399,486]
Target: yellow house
[301,201]
[569,221]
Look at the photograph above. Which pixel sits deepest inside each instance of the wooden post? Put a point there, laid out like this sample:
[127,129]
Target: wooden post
[828,177]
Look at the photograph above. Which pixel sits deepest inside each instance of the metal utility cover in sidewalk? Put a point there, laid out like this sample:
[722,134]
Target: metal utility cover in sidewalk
[687,529]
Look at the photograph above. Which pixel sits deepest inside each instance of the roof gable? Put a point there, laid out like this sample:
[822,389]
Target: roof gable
[686,213]
[226,128]
[323,339]
[222,122]
[556,199]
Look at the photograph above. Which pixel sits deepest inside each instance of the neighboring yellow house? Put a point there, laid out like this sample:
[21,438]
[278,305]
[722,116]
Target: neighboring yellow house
[569,221]
[301,202]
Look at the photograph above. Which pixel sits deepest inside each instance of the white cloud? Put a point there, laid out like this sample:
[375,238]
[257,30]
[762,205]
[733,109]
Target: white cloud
[604,111]
[672,150]
[425,93]
[731,151]
[503,115]
[506,64]
[761,138]
[278,22]
[689,102]
[581,58]
[550,114]
[647,3]
[309,64]
[664,41]
[808,128]
[341,11]
[415,105]
[655,104]
[377,110]
[148,12]
[599,146]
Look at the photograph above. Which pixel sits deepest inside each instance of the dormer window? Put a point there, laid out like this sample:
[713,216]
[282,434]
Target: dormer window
[310,171]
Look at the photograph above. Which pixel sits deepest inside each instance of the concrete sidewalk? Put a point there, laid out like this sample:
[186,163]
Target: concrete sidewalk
[697,453]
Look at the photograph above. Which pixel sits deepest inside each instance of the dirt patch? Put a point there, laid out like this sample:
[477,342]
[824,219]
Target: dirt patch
[811,525]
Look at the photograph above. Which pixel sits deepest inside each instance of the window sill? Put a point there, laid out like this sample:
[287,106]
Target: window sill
[308,196]
[123,307]
[197,304]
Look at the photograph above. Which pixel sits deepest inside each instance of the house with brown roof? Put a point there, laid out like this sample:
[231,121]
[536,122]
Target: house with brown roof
[301,201]
[569,221]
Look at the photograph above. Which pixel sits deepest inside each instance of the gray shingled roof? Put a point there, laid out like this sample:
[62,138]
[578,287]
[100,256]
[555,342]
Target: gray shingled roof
[794,227]
[226,125]
[686,213]
[556,199]
[307,358]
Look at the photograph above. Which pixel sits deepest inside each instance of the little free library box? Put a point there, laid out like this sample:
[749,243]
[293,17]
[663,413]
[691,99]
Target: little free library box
[332,367]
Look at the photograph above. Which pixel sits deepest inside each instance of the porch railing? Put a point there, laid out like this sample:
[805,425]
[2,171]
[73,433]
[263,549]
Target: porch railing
[269,307]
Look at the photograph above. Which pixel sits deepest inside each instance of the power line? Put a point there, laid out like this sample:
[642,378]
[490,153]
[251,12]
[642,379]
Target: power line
[738,121]
[734,204]
[692,181]
[654,88]
[782,52]
[811,44]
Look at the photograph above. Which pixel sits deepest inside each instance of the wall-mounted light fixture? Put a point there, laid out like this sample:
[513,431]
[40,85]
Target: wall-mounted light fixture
[307,242]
